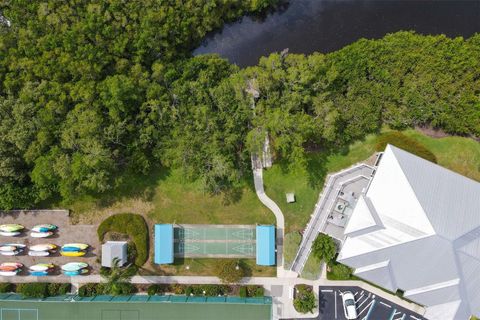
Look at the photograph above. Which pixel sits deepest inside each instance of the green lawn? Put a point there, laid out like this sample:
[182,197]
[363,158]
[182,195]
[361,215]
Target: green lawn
[205,267]
[164,197]
[456,153]
[311,270]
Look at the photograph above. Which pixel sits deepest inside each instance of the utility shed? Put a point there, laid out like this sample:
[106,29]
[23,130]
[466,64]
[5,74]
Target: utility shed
[163,244]
[265,245]
[112,250]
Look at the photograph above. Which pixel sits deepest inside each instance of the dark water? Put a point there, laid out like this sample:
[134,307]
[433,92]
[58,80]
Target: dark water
[305,26]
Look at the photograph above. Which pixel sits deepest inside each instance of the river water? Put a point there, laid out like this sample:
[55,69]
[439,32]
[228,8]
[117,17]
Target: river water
[305,26]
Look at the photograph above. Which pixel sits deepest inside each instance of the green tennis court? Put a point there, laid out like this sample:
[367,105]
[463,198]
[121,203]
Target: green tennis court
[54,310]
[228,241]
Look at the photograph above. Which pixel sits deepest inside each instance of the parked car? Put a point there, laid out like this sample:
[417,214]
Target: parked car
[349,305]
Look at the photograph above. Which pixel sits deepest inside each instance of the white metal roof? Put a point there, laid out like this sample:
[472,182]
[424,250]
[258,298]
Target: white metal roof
[430,234]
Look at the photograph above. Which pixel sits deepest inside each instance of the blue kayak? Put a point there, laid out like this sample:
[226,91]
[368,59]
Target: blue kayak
[71,249]
[39,273]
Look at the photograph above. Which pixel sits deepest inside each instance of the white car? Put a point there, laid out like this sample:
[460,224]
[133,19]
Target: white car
[349,305]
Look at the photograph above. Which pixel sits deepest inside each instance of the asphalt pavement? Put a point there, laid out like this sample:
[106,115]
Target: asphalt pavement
[369,306]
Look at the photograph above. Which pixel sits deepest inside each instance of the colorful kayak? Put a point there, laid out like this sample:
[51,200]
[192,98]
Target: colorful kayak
[71,249]
[11,253]
[41,267]
[75,273]
[72,253]
[9,233]
[12,227]
[43,247]
[81,246]
[39,273]
[12,264]
[38,253]
[44,227]
[41,234]
[9,273]
[8,268]
[74,266]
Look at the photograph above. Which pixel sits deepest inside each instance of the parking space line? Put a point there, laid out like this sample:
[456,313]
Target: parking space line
[326,290]
[414,317]
[388,306]
[335,304]
[370,310]
[362,302]
[366,307]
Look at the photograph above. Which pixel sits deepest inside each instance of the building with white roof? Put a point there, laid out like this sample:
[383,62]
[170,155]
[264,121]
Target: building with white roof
[417,229]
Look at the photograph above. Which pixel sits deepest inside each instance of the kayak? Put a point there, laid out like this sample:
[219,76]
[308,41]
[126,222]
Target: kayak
[43,247]
[8,268]
[12,227]
[18,245]
[41,234]
[44,227]
[8,248]
[71,249]
[9,233]
[41,267]
[81,246]
[72,254]
[9,273]
[39,273]
[38,253]
[75,273]
[12,264]
[74,266]
[11,253]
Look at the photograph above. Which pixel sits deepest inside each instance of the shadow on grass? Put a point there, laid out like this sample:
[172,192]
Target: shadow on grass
[128,185]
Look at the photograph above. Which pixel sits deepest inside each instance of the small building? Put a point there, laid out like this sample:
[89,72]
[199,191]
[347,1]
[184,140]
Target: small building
[163,244]
[290,197]
[265,245]
[112,250]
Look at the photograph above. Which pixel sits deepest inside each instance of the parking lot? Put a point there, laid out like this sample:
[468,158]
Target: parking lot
[369,306]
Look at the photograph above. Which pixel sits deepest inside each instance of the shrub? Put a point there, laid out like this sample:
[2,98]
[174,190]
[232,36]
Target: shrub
[259,292]
[189,291]
[324,248]
[243,292]
[6,287]
[153,289]
[33,290]
[125,288]
[404,142]
[90,289]
[304,299]
[178,289]
[213,290]
[134,226]
[58,289]
[229,271]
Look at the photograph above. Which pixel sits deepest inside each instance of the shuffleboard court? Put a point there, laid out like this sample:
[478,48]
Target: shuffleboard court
[228,241]
[45,310]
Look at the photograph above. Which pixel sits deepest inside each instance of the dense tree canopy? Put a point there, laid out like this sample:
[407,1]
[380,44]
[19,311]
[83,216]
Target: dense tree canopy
[90,90]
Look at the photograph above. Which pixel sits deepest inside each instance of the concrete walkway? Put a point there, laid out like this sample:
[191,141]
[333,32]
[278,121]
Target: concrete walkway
[270,204]
[325,203]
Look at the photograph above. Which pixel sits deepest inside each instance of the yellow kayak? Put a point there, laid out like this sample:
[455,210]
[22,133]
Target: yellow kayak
[81,246]
[72,253]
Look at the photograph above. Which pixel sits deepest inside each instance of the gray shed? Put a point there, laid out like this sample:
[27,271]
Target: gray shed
[112,250]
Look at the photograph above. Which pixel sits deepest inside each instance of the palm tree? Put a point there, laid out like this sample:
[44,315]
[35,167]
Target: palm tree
[117,277]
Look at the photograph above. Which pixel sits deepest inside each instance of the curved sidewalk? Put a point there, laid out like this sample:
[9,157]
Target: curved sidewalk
[270,204]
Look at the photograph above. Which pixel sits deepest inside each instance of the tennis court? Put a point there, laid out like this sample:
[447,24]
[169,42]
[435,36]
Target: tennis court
[221,241]
[157,307]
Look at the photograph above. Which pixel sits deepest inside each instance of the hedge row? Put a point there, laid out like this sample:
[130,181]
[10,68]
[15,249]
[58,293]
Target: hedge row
[134,226]
[251,291]
[404,142]
[95,289]
[37,289]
